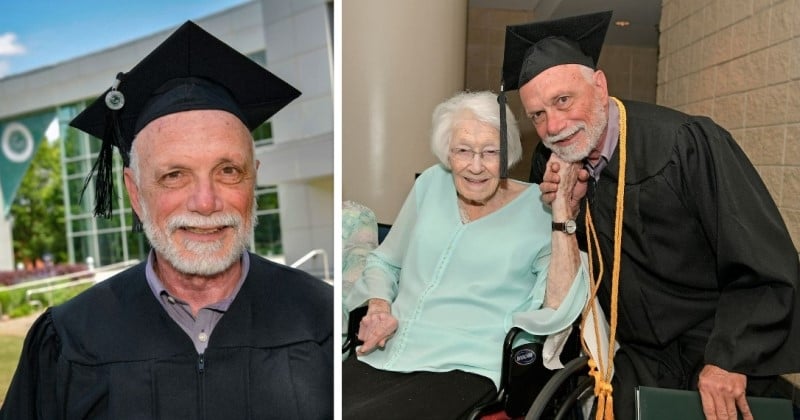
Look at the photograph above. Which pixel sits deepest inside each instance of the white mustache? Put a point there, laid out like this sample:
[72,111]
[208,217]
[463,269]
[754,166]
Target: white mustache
[569,131]
[203,222]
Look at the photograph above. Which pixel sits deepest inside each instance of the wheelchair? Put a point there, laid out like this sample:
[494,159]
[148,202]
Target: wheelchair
[527,388]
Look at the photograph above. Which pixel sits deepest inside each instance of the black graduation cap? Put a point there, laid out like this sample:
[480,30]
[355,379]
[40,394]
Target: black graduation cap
[535,47]
[190,70]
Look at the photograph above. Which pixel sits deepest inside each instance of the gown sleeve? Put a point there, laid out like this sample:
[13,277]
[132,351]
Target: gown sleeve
[539,320]
[757,265]
[33,390]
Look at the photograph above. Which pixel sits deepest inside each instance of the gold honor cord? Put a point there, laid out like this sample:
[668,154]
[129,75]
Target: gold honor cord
[602,376]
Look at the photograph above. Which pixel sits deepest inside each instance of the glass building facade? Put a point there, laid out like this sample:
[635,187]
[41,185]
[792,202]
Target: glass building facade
[110,240]
[295,191]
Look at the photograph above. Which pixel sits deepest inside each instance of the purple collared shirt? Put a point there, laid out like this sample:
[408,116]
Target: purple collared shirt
[610,143]
[197,328]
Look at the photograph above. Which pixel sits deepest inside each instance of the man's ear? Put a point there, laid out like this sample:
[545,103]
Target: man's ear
[600,81]
[133,189]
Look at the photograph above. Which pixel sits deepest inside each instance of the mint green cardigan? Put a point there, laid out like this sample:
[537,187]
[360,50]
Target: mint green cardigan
[456,288]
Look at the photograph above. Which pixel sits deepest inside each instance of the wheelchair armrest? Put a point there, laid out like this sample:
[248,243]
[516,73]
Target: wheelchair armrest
[524,375]
[351,341]
[508,345]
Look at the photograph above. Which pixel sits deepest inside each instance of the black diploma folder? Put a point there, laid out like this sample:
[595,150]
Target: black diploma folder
[669,404]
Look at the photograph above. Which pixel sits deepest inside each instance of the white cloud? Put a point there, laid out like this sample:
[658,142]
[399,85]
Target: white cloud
[9,44]
[53,130]
[5,69]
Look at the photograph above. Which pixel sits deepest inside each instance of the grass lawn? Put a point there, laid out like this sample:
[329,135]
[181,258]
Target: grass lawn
[10,348]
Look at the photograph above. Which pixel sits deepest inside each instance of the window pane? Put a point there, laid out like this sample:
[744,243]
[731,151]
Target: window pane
[78,167]
[263,132]
[110,248]
[267,201]
[259,57]
[114,222]
[138,247]
[94,145]
[73,143]
[82,248]
[268,235]
[80,206]
[81,225]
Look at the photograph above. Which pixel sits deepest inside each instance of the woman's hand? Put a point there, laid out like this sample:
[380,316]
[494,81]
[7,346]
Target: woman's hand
[376,327]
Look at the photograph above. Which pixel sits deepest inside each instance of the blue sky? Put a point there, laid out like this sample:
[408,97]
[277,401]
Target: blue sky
[38,33]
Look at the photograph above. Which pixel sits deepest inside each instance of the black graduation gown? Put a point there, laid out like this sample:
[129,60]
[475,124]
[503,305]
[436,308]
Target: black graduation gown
[114,353]
[709,274]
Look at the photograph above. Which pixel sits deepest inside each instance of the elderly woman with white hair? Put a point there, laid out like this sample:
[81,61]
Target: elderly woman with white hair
[469,256]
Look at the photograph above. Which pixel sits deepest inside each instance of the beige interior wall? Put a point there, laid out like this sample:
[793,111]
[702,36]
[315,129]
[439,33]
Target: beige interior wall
[631,71]
[485,42]
[399,60]
[738,61]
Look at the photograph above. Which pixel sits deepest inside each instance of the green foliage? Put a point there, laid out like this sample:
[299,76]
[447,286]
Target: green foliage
[11,299]
[22,310]
[15,303]
[60,296]
[10,349]
[38,208]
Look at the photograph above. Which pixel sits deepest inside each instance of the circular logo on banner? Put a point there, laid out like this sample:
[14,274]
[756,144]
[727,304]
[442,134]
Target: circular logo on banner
[17,142]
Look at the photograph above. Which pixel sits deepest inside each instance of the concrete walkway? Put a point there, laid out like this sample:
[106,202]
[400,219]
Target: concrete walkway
[18,327]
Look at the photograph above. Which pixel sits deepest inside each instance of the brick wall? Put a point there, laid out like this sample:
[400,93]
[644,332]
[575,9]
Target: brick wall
[738,61]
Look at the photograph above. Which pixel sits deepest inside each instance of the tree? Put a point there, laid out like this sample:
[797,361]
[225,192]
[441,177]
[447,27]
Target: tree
[38,208]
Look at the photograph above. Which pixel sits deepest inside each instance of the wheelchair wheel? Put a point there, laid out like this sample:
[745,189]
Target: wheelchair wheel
[550,391]
[570,404]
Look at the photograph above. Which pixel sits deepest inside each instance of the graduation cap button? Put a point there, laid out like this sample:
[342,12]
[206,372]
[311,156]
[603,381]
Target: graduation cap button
[115,100]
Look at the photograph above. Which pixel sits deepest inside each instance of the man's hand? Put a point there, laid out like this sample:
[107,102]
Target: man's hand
[722,392]
[551,180]
[376,327]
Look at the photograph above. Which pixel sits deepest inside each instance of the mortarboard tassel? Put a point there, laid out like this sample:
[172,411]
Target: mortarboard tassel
[137,223]
[103,168]
[501,99]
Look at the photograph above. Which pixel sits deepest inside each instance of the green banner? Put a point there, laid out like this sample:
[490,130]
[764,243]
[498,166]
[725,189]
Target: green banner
[19,139]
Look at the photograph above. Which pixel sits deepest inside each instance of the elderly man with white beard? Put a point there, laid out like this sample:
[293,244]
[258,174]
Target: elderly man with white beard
[691,260]
[203,328]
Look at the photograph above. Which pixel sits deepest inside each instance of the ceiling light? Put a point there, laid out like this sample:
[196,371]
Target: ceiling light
[622,23]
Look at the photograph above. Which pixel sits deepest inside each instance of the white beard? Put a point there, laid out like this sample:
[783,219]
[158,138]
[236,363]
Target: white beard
[577,152]
[199,258]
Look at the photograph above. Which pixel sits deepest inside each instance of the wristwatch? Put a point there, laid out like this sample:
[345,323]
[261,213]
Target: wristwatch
[567,227]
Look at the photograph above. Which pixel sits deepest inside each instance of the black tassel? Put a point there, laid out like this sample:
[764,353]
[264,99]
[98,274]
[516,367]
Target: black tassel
[137,223]
[103,168]
[501,99]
